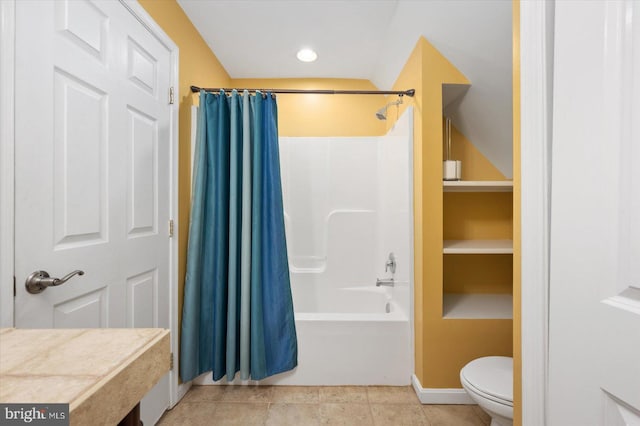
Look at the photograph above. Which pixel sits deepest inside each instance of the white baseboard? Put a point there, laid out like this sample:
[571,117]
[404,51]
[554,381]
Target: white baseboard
[440,396]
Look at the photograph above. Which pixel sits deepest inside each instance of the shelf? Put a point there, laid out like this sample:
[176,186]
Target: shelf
[477,306]
[477,186]
[478,247]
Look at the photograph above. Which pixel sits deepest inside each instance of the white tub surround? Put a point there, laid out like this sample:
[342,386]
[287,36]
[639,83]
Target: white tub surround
[347,203]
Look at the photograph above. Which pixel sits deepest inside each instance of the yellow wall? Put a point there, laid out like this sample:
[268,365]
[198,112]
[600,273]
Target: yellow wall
[323,115]
[443,346]
[478,273]
[517,341]
[475,166]
[477,216]
[198,66]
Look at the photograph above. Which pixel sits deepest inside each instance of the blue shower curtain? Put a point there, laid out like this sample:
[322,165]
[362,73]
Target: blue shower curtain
[238,311]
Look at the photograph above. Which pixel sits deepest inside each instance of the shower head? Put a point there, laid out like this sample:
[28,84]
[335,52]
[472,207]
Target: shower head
[381,114]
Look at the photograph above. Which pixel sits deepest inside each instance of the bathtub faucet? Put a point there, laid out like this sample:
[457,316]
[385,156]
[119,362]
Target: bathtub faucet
[384,281]
[391,263]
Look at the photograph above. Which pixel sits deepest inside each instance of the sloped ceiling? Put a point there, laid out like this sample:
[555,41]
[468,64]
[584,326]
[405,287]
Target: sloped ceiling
[372,39]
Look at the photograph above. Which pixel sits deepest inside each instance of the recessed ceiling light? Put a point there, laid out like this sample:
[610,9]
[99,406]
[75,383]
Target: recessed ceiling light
[307,55]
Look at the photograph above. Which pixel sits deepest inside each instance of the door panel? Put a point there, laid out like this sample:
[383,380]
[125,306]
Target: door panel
[79,162]
[142,289]
[142,68]
[84,24]
[142,177]
[92,169]
[86,311]
[594,373]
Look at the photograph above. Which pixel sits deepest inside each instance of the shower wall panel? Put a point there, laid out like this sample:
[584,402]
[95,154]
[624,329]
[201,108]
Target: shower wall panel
[347,206]
[330,199]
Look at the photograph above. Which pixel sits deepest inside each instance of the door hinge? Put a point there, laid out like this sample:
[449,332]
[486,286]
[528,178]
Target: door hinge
[171,361]
[15,292]
[170,228]
[171,95]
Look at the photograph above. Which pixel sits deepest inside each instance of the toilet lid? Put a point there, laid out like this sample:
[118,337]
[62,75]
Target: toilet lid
[492,375]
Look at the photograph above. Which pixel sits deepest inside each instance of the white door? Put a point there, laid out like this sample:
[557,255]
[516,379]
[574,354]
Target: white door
[594,352]
[92,174]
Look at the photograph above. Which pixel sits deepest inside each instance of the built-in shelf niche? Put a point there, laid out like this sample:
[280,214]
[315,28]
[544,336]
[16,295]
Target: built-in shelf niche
[477,306]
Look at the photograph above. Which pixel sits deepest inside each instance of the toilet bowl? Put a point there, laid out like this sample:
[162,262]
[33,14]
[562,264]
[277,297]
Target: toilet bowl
[489,382]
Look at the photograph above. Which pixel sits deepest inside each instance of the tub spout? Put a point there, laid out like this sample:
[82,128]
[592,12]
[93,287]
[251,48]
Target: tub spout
[384,281]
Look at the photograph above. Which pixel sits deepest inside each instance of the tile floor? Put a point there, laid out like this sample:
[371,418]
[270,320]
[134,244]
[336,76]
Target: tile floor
[315,405]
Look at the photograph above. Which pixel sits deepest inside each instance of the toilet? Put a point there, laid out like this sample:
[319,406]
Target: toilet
[489,382]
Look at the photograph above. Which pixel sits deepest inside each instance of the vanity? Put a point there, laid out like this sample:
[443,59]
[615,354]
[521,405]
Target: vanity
[101,373]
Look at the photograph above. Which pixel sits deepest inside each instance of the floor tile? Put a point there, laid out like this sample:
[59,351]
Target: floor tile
[486,419]
[298,405]
[392,395]
[398,415]
[295,394]
[247,393]
[452,415]
[204,393]
[343,394]
[239,414]
[345,414]
[293,415]
[189,414]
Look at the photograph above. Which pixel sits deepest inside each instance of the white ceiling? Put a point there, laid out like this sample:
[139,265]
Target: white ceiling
[372,39]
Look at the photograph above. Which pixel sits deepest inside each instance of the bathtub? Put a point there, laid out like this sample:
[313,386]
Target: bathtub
[361,337]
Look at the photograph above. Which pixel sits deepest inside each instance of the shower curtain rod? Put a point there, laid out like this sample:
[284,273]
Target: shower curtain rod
[409,92]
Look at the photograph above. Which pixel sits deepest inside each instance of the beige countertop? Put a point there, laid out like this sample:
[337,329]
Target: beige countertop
[101,373]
